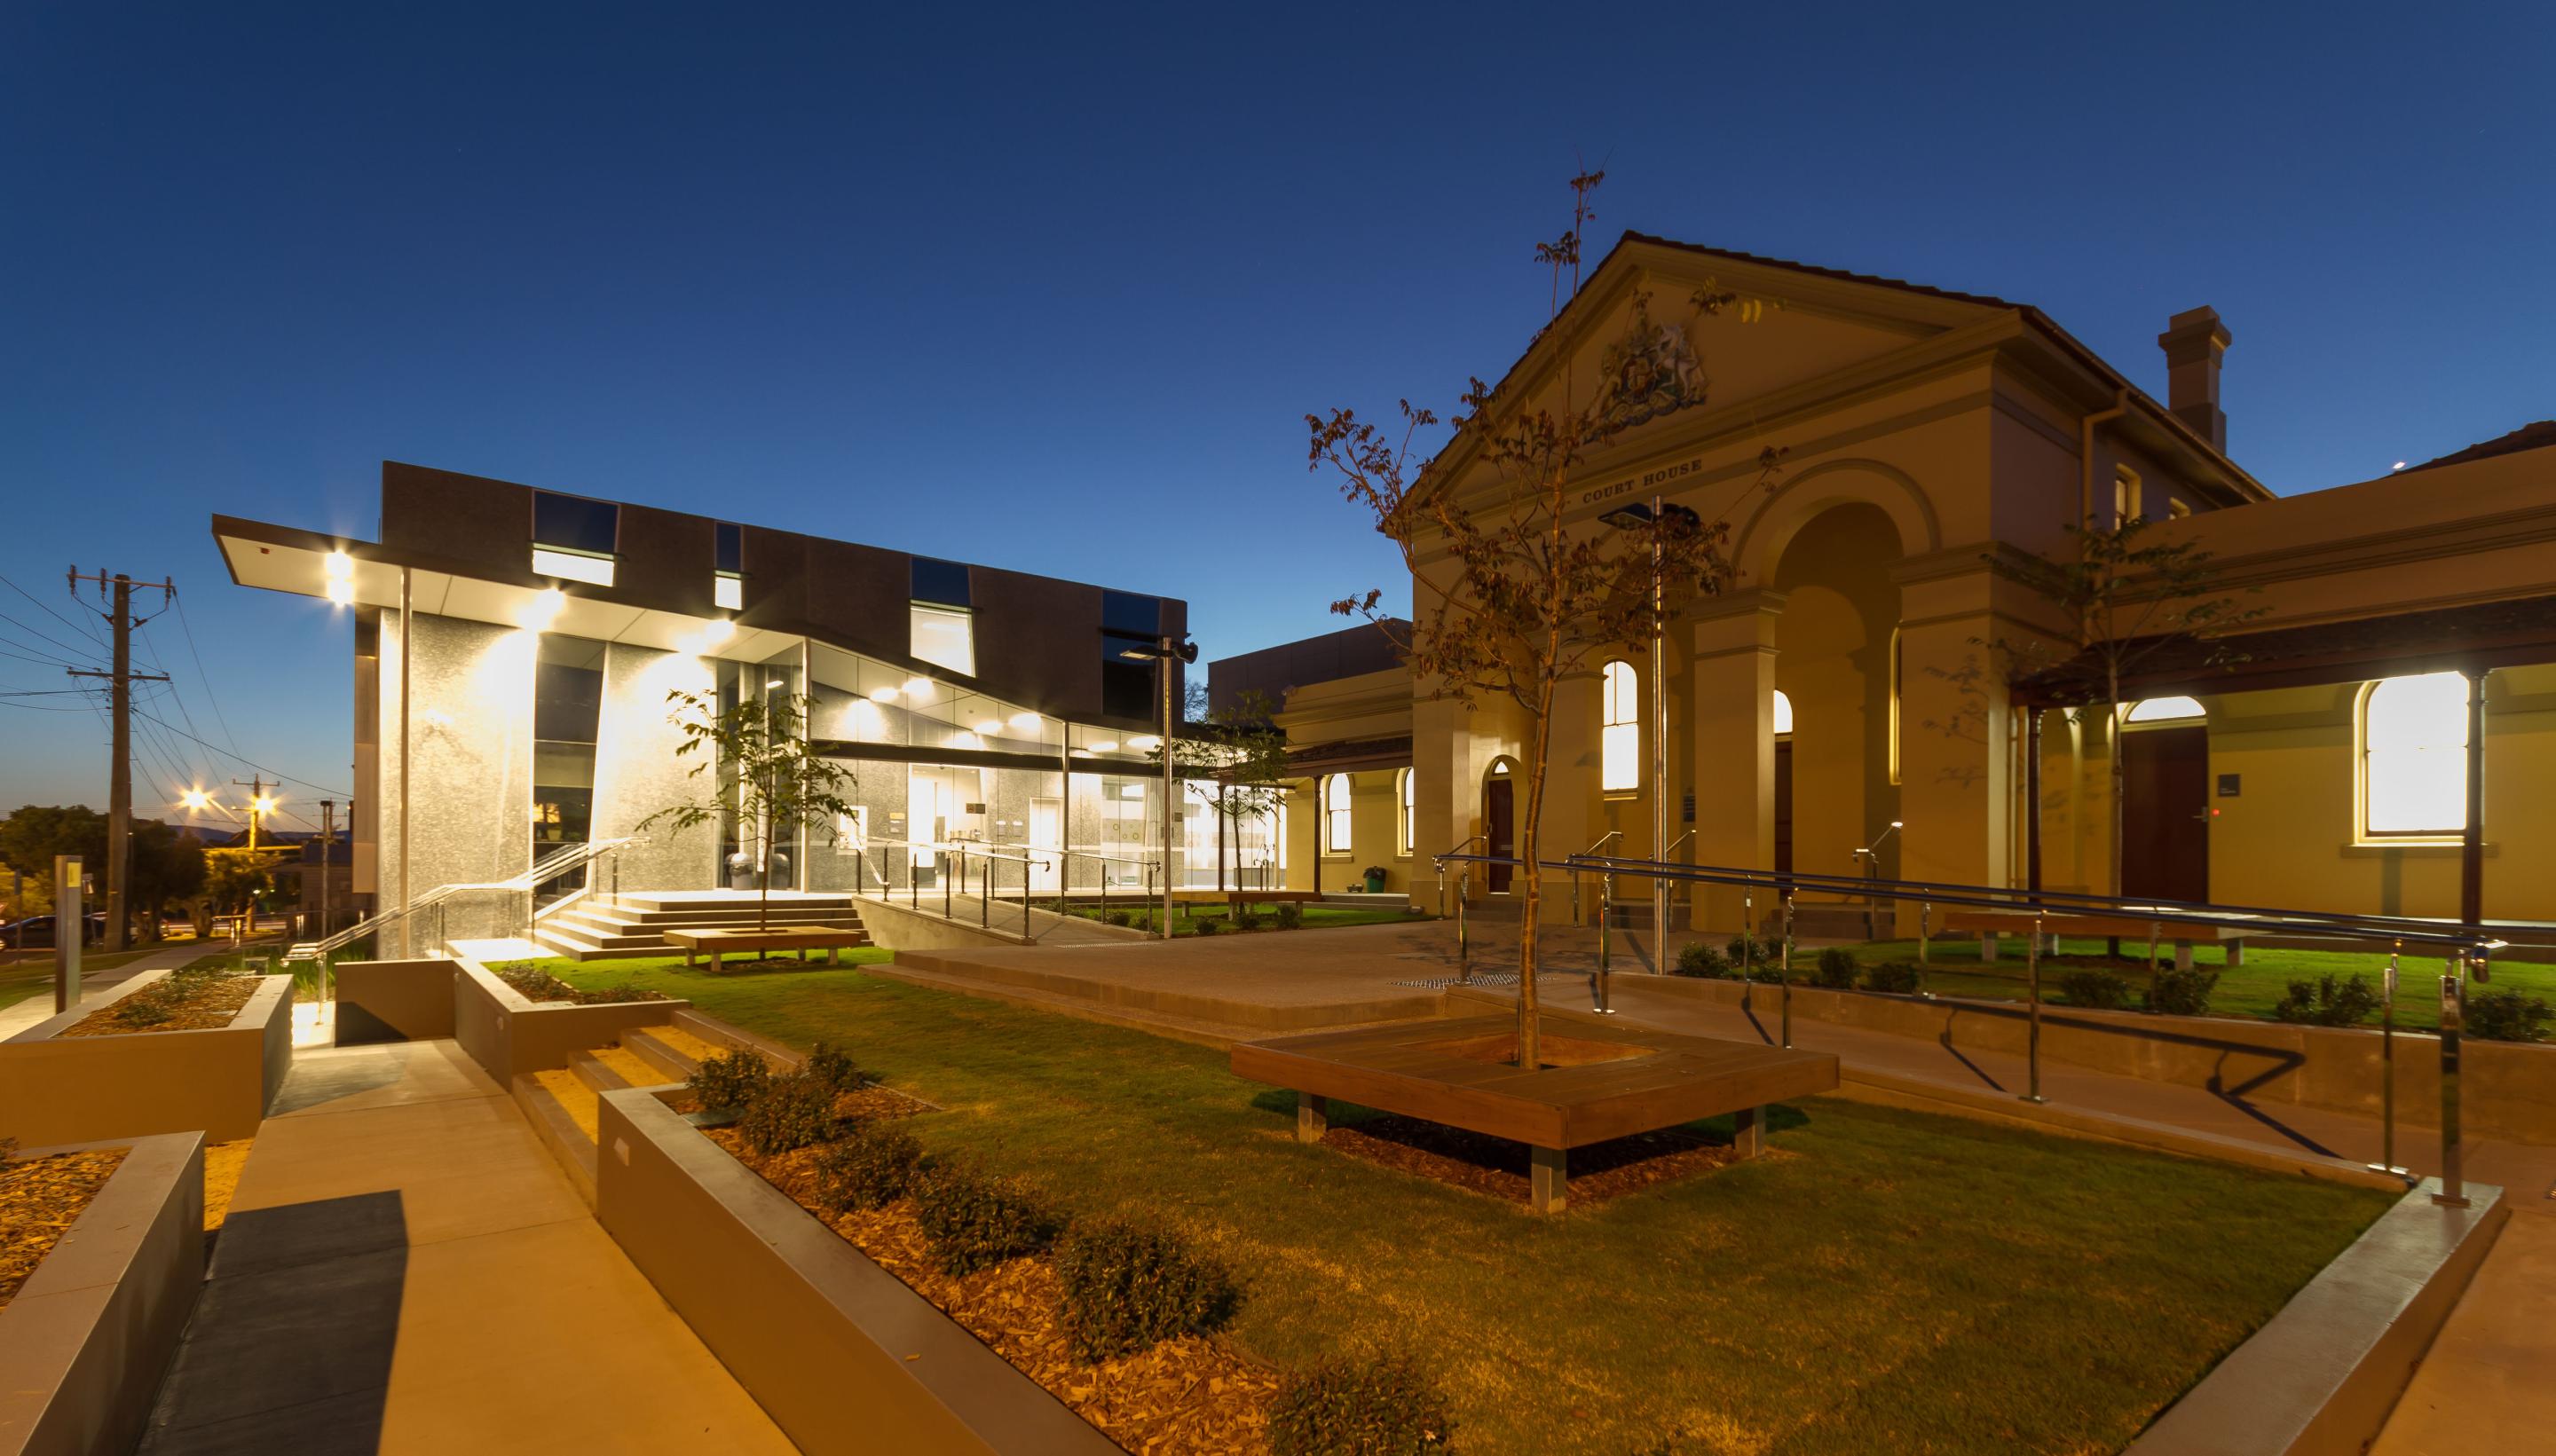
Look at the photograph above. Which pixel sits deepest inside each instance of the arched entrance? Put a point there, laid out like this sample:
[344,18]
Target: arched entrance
[1500,821]
[2165,800]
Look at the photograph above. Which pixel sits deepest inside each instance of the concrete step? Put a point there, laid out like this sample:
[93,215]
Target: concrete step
[563,1110]
[688,919]
[679,902]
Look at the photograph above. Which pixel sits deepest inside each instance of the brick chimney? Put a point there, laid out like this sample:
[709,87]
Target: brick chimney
[2193,341]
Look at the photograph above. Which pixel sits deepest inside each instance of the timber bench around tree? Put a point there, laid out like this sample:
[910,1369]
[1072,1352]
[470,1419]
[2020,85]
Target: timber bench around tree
[1598,1082]
[715,943]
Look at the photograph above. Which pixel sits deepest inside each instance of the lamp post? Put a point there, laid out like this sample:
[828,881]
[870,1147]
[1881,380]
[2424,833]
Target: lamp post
[1655,518]
[1166,650]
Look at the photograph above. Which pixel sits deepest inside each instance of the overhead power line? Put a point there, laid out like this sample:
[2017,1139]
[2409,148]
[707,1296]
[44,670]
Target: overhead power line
[245,760]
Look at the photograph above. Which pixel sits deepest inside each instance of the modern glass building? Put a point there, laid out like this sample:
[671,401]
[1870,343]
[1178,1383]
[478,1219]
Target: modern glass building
[515,649]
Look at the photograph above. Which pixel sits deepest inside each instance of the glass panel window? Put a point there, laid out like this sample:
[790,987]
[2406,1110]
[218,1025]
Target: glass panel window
[1619,730]
[945,637]
[574,537]
[1407,805]
[1783,713]
[567,701]
[728,569]
[2163,709]
[2414,738]
[1335,815]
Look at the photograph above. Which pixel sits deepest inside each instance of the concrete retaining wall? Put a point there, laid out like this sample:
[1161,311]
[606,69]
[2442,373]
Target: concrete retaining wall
[218,1081]
[509,1035]
[839,1352]
[901,930]
[394,1000]
[2320,1379]
[89,1335]
[2508,1092]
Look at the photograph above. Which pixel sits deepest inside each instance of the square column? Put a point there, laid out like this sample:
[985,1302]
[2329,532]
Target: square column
[1958,775]
[1731,706]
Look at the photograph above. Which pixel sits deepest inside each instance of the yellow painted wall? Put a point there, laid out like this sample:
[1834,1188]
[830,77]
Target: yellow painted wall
[1374,839]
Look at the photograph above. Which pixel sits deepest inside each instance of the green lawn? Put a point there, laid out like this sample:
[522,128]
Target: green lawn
[35,977]
[2250,990]
[1192,917]
[1888,1281]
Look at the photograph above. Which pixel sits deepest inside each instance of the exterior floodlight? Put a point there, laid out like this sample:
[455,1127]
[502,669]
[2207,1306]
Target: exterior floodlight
[543,610]
[340,569]
[1025,722]
[989,726]
[882,694]
[1144,743]
[918,688]
[716,631]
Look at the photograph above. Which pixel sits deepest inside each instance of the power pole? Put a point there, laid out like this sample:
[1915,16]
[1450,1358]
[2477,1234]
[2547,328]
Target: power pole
[256,788]
[328,851]
[119,804]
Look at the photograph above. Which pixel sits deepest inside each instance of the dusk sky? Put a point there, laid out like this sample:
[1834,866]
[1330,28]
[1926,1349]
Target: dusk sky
[1054,289]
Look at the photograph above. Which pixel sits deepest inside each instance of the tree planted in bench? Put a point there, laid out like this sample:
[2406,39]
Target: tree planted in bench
[764,777]
[1516,586]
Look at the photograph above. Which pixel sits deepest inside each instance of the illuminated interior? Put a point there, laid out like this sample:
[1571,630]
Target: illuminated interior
[1619,747]
[2413,738]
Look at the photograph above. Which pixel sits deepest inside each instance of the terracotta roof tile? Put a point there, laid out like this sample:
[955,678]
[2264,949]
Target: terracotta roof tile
[2536,435]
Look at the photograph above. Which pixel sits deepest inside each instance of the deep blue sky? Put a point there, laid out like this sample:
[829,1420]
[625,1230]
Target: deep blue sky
[1054,289]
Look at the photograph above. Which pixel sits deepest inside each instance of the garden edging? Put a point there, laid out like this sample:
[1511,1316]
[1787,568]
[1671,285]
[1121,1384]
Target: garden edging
[215,1080]
[509,1033]
[840,1353]
[89,1335]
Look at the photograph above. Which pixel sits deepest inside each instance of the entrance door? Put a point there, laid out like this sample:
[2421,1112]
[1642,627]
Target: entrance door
[1499,829]
[1047,820]
[1783,805]
[2165,820]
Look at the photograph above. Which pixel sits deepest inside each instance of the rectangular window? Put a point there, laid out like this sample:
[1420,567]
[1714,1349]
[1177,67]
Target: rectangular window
[943,583]
[728,570]
[567,701]
[2126,495]
[1128,622]
[945,637]
[574,537]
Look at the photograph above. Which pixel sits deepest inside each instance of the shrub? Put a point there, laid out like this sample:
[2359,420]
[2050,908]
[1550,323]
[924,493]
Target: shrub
[1339,1407]
[2100,990]
[788,1112]
[1126,1288]
[535,984]
[1903,977]
[1291,915]
[972,1221]
[1837,968]
[1746,949]
[1247,916]
[1694,958]
[2508,1016]
[871,1168]
[2324,1002]
[2174,991]
[1204,927]
[1120,917]
[834,1067]
[730,1079]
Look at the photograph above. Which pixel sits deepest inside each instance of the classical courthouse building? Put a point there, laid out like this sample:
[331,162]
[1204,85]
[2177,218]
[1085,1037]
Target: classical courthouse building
[1935,442]
[515,649]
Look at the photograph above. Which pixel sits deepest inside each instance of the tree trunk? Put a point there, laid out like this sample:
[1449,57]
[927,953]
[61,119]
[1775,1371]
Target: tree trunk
[1529,826]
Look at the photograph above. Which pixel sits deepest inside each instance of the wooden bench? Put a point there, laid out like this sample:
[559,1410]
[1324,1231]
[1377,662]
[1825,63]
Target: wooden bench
[1598,1082]
[715,943]
[1989,924]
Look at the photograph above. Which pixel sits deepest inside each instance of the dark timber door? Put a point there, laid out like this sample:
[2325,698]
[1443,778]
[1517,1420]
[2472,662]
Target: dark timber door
[1499,831]
[2165,818]
[1784,805]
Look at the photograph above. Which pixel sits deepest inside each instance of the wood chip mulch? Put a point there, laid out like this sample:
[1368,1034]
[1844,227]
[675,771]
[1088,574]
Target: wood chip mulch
[1500,1169]
[1189,1395]
[40,1199]
[207,1005]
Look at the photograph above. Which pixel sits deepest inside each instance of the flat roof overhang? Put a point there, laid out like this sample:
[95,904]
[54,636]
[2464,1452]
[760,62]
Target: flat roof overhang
[290,559]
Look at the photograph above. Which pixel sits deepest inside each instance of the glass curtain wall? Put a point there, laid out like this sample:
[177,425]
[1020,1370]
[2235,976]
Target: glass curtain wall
[774,682]
[567,701]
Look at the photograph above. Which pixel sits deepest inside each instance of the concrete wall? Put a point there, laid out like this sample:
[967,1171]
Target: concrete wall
[470,784]
[636,772]
[218,1081]
[90,1334]
[842,1354]
[509,1035]
[1375,838]
[394,1000]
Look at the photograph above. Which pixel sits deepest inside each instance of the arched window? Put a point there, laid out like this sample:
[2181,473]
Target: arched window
[1783,713]
[1335,815]
[1408,817]
[1898,682]
[2414,755]
[2163,710]
[1619,730]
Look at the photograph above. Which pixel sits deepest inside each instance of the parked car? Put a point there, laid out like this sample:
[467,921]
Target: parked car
[35,932]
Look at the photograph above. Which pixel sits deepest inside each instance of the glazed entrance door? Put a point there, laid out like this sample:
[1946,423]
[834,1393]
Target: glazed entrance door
[2165,819]
[1499,829]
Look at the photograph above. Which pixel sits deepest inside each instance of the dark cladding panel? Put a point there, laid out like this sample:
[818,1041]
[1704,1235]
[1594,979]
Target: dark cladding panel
[664,561]
[457,518]
[1037,641]
[776,577]
[855,596]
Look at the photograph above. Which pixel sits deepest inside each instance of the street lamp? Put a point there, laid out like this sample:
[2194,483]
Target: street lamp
[1655,518]
[1163,652]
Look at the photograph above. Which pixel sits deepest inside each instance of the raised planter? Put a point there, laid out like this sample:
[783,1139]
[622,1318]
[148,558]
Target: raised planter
[509,1033]
[2322,1376]
[218,1081]
[87,1338]
[2509,1089]
[393,1001]
[841,1354]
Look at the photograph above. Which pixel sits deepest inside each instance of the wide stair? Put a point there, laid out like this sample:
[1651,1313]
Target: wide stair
[605,927]
[563,1105]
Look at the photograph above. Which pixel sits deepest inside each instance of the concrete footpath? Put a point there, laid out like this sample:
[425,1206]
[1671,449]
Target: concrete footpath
[405,1268]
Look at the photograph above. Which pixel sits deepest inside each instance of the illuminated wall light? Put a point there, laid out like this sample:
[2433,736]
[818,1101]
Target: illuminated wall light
[596,571]
[882,694]
[1026,722]
[989,726]
[340,569]
[1106,745]
[543,610]
[1145,743]
[917,689]
[728,595]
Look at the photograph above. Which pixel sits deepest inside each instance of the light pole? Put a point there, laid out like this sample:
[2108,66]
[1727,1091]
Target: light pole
[1166,650]
[1655,518]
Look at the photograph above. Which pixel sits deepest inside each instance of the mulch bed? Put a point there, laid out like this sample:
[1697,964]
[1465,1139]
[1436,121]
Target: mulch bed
[1501,1168]
[179,1002]
[1189,1395]
[40,1199]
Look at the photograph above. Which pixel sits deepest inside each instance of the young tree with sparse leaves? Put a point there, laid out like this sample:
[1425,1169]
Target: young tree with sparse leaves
[762,770]
[1240,755]
[1510,596]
